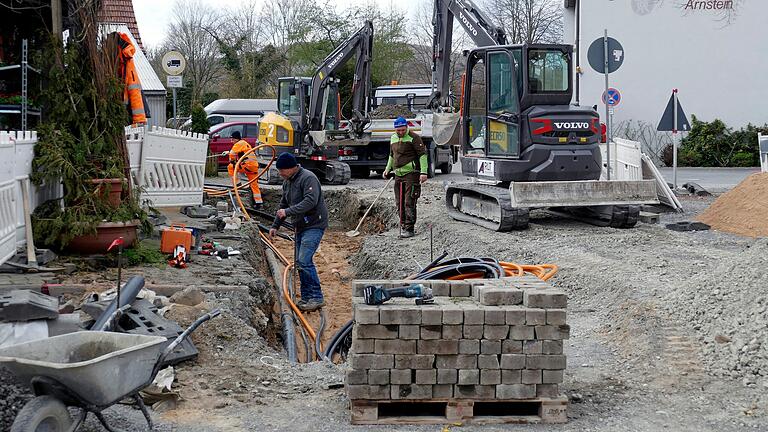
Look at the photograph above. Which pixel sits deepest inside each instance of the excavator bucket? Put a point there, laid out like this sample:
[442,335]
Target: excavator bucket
[445,128]
[582,193]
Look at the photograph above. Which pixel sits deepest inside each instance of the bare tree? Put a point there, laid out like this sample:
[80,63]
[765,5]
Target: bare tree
[187,34]
[529,21]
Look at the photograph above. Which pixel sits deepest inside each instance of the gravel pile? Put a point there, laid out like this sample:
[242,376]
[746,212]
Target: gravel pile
[13,396]
[391,111]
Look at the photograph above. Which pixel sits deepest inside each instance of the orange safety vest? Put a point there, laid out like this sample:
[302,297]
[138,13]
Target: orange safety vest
[238,149]
[127,72]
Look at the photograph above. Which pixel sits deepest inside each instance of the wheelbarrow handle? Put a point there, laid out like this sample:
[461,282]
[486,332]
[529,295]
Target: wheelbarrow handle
[172,346]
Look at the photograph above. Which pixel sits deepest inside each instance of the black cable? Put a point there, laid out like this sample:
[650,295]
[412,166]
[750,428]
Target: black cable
[337,338]
[320,354]
[305,338]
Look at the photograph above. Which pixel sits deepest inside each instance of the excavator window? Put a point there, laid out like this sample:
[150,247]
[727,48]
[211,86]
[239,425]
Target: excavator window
[476,108]
[547,71]
[504,105]
[288,100]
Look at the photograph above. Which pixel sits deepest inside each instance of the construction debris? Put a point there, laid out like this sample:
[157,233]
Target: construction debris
[190,296]
[25,305]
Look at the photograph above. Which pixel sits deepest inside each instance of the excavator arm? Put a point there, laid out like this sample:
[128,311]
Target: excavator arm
[479,28]
[361,45]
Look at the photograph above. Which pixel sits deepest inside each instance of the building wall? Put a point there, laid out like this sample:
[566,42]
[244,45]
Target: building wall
[714,52]
[156,103]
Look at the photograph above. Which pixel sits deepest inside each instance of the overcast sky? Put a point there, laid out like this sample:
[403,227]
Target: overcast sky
[153,15]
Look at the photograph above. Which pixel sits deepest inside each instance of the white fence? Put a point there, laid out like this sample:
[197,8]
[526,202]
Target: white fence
[171,165]
[8,201]
[626,160]
[762,142]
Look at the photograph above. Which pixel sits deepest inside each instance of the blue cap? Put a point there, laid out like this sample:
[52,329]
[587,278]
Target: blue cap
[400,122]
[285,161]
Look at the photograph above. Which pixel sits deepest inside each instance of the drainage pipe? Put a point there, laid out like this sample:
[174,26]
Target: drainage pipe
[286,317]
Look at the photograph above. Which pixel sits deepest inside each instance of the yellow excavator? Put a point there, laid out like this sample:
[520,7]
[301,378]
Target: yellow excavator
[306,123]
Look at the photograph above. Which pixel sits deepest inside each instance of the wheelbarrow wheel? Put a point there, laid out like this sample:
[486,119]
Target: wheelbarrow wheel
[43,414]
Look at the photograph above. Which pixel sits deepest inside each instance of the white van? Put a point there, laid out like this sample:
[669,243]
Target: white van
[235,110]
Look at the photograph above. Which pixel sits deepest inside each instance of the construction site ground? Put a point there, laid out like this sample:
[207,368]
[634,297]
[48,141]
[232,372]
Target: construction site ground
[668,329]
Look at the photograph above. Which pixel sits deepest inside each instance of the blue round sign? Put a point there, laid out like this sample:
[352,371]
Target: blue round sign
[611,97]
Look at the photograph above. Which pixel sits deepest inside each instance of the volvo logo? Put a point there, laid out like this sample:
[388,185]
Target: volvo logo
[334,61]
[467,24]
[572,125]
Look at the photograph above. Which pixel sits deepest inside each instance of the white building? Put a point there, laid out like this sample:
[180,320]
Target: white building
[714,51]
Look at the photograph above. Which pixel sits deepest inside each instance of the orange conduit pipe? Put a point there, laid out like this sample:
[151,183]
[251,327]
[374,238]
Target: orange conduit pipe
[541,271]
[286,294]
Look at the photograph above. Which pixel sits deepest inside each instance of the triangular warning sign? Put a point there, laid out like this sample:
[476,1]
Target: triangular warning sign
[667,123]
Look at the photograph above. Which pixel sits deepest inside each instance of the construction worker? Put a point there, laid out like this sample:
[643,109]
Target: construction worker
[303,201]
[249,166]
[408,161]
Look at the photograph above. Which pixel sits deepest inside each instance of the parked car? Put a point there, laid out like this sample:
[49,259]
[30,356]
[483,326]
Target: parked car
[220,138]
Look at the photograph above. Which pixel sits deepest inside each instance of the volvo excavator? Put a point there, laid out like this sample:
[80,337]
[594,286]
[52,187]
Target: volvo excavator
[521,140]
[307,121]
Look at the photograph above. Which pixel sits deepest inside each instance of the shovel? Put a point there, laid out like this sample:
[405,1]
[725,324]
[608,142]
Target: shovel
[356,232]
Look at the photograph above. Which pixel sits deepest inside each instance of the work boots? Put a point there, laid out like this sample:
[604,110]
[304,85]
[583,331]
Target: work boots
[407,234]
[310,305]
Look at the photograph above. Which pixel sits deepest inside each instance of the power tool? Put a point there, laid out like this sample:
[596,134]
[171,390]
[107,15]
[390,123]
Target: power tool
[376,294]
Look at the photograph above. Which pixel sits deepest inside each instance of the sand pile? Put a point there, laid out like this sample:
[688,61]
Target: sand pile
[391,111]
[743,210]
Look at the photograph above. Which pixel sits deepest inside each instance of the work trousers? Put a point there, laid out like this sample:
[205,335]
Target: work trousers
[407,193]
[251,170]
[307,242]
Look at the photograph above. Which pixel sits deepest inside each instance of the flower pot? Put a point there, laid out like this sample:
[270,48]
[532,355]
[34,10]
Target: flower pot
[113,187]
[106,233]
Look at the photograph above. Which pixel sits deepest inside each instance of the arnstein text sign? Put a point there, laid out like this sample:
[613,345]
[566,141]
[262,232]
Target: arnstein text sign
[708,5]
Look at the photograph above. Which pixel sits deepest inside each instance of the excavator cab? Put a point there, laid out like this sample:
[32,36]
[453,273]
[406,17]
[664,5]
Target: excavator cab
[516,111]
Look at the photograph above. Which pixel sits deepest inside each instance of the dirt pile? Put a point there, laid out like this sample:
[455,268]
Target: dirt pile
[743,210]
[391,111]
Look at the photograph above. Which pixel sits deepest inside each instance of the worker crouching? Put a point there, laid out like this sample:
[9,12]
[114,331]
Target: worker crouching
[408,162]
[303,201]
[249,166]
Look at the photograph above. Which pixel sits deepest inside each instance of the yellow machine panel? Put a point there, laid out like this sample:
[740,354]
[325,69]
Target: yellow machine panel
[276,130]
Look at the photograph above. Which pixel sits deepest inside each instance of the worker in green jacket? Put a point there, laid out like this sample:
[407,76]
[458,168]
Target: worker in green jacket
[408,162]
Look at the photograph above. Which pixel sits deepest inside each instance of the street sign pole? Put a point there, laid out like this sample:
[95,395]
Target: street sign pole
[607,106]
[674,139]
[175,119]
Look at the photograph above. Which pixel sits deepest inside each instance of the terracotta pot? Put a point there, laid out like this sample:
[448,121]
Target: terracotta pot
[106,233]
[114,186]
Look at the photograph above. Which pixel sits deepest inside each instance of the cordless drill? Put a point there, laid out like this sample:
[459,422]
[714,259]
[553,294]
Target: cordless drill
[376,295]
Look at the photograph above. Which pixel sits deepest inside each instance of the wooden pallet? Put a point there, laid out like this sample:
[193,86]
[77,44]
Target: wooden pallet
[465,411]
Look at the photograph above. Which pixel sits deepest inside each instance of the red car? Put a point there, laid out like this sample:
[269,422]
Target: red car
[220,138]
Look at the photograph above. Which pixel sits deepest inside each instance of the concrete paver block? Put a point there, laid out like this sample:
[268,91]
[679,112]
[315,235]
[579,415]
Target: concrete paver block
[535,317]
[551,362]
[553,332]
[371,361]
[447,376]
[378,377]
[409,331]
[552,347]
[469,377]
[469,346]
[417,361]
[412,391]
[426,376]
[396,346]
[511,376]
[452,331]
[556,317]
[431,332]
[400,376]
[496,332]
[473,331]
[515,391]
[545,299]
[490,376]
[495,316]
[488,361]
[512,361]
[531,376]
[440,346]
[490,346]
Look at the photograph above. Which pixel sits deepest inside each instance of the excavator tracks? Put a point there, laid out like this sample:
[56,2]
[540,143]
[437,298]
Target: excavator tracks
[484,205]
[337,173]
[615,216]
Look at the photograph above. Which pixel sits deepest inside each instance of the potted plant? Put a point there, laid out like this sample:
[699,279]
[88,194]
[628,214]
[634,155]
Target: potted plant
[81,143]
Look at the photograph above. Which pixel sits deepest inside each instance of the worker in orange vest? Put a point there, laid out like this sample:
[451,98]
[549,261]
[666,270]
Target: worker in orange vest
[249,166]
[127,72]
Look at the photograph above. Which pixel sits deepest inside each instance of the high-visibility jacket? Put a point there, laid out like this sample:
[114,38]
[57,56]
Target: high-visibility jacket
[249,166]
[127,72]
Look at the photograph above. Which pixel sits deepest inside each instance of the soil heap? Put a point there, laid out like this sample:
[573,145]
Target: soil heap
[743,210]
[391,111]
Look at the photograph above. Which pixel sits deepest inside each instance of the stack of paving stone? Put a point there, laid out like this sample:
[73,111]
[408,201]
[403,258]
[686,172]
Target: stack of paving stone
[482,340]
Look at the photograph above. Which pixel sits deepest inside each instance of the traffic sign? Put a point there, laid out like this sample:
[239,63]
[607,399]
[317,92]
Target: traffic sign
[174,81]
[612,97]
[174,63]
[667,123]
[596,55]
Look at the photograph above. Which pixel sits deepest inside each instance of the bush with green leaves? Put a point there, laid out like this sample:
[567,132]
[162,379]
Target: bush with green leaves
[714,144]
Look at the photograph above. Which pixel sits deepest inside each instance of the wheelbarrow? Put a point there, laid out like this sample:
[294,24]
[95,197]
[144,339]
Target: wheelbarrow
[88,370]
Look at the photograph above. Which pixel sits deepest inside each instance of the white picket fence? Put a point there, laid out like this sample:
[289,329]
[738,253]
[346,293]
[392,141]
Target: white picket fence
[762,143]
[168,164]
